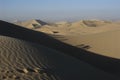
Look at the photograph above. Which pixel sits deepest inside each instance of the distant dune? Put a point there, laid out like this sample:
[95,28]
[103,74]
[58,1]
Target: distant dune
[31,24]
[83,27]
[95,23]
[29,54]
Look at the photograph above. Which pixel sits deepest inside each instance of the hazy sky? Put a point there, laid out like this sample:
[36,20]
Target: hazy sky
[59,9]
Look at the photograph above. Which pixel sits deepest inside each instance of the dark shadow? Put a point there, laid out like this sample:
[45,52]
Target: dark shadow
[30,70]
[89,23]
[107,64]
[20,71]
[55,32]
[36,26]
[84,46]
[41,22]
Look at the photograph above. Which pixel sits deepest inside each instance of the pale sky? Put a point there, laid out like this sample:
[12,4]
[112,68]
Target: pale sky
[53,10]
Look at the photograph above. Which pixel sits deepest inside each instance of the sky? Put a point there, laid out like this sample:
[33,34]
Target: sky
[59,10]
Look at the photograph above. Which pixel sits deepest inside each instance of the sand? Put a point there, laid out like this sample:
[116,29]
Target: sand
[29,54]
[102,37]
[31,24]
[104,42]
[22,60]
[79,27]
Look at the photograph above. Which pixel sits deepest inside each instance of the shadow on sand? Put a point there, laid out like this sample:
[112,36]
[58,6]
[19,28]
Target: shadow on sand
[105,63]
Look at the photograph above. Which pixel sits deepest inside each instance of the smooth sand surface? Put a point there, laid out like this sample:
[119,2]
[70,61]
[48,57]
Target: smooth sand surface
[106,43]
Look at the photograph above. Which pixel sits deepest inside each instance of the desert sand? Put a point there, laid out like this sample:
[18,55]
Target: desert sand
[31,24]
[102,37]
[59,51]
[21,60]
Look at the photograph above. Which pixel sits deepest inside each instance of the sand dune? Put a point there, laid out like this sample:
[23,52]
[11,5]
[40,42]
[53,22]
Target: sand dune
[95,23]
[106,43]
[79,28]
[83,27]
[22,60]
[31,24]
[52,55]
[103,40]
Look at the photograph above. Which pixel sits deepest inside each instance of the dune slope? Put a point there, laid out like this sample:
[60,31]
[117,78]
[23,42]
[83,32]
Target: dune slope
[106,43]
[104,63]
[21,60]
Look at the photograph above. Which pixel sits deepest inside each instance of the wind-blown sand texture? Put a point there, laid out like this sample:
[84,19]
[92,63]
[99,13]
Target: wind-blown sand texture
[27,54]
[23,60]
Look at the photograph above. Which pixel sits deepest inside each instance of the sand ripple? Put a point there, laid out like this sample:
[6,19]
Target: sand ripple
[20,60]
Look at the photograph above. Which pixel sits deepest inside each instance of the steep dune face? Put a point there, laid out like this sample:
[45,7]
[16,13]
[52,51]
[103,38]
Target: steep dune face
[22,60]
